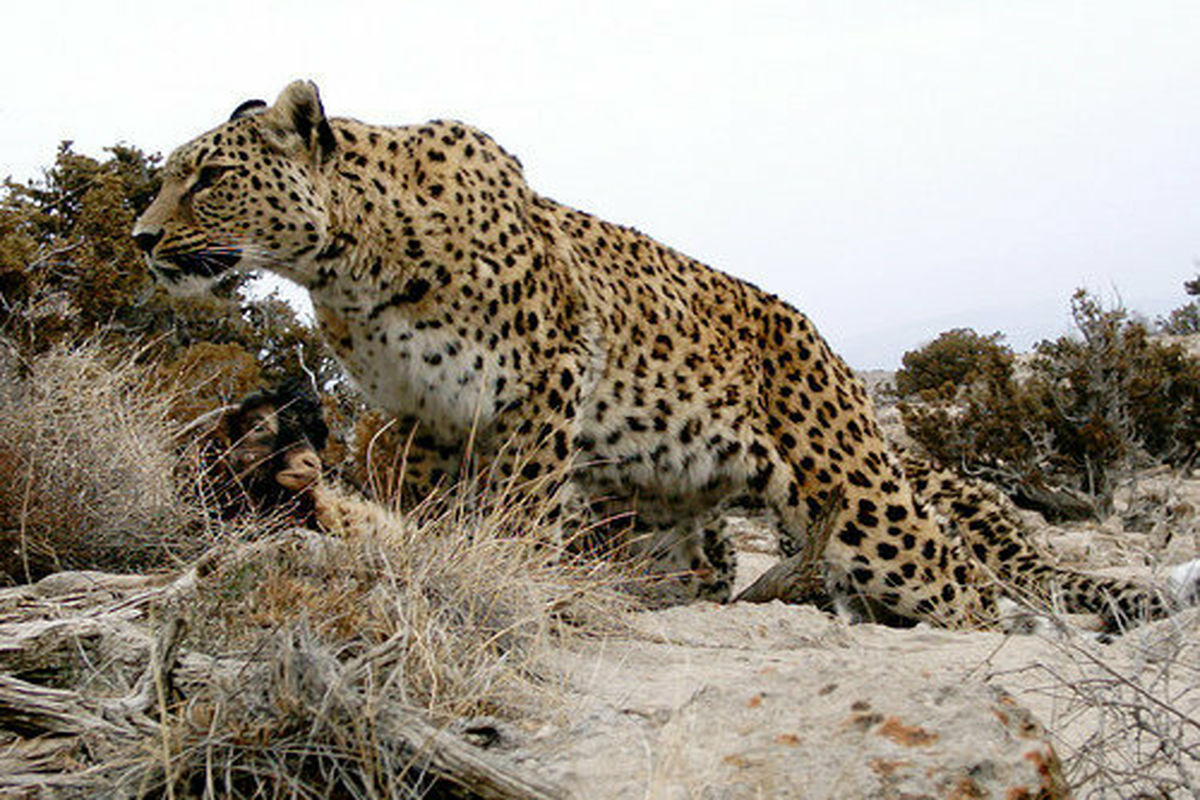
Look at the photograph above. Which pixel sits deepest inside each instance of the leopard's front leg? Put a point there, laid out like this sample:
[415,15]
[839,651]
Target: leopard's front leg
[403,463]
[528,449]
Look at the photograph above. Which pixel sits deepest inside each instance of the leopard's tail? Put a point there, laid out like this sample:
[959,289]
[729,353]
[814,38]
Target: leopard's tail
[993,531]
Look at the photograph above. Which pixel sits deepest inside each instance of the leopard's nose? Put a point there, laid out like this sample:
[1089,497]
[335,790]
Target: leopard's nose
[147,240]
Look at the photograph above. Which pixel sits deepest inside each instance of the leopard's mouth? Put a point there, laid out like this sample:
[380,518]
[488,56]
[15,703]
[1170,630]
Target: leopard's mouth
[191,273]
[203,263]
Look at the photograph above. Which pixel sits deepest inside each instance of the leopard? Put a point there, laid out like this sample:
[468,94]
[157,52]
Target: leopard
[600,369]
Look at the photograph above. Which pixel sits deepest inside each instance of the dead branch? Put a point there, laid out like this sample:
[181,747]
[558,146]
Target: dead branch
[800,579]
[40,710]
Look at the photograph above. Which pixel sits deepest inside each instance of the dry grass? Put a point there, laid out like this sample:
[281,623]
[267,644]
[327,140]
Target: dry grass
[303,665]
[279,663]
[462,589]
[87,459]
[450,615]
[1126,716]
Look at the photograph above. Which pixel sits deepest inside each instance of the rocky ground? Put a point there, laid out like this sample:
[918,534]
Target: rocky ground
[768,701]
[760,701]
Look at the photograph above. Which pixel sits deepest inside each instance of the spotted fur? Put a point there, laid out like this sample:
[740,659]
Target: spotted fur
[579,355]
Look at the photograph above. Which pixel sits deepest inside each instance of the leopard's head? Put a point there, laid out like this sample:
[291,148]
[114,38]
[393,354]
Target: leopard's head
[248,194]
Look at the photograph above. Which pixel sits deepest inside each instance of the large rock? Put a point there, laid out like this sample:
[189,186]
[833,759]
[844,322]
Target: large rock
[781,701]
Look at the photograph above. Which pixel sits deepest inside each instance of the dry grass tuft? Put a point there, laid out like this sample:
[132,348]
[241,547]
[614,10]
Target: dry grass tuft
[288,663]
[1127,719]
[86,455]
[462,592]
[449,616]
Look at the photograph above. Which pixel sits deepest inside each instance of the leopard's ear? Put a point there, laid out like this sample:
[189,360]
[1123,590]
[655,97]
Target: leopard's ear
[297,122]
[247,109]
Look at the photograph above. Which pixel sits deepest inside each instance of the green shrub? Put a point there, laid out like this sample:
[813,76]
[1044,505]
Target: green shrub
[1093,405]
[1117,394]
[955,358]
[1185,320]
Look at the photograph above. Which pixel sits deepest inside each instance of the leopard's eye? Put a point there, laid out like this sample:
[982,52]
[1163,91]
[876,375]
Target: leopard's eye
[209,175]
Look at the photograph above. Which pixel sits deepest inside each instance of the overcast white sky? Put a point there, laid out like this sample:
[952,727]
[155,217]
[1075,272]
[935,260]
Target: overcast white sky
[892,168]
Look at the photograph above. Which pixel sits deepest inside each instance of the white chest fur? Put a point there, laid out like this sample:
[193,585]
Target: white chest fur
[412,368]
